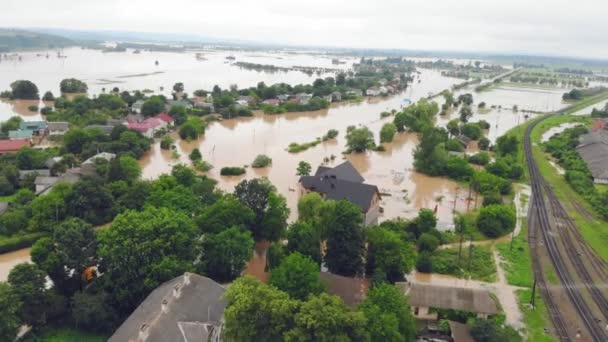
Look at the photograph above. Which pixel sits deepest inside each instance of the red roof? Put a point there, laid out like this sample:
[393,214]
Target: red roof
[152,122]
[142,127]
[15,145]
[165,117]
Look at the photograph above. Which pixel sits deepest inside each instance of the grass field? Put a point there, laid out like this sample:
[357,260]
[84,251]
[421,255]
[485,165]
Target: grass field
[586,102]
[536,319]
[516,260]
[481,266]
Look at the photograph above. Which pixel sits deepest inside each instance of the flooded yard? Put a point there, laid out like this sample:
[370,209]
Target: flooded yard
[11,259]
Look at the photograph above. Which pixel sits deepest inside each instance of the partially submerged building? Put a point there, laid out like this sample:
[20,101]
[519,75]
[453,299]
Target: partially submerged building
[184,309]
[344,182]
[593,149]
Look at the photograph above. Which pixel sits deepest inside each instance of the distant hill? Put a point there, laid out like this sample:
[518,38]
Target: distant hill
[13,39]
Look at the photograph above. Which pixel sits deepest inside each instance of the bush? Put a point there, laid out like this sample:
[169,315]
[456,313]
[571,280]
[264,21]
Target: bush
[261,161]
[46,110]
[424,263]
[331,134]
[471,130]
[481,158]
[33,108]
[192,128]
[232,171]
[166,142]
[202,166]
[196,155]
[427,242]
[48,96]
[387,133]
[496,220]
[14,243]
[483,143]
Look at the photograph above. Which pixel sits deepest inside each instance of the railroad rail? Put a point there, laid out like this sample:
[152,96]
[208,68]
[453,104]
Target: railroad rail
[540,212]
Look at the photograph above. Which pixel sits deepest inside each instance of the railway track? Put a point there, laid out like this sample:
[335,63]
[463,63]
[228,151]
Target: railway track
[540,213]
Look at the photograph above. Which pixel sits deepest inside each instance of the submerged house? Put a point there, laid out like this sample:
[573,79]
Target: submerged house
[185,309]
[14,145]
[593,149]
[137,106]
[345,182]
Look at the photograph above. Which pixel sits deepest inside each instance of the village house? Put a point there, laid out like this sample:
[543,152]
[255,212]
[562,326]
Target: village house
[44,184]
[200,103]
[373,91]
[21,134]
[336,96]
[248,99]
[184,103]
[165,119]
[425,296]
[89,165]
[344,182]
[134,117]
[10,146]
[328,98]
[241,103]
[283,97]
[272,102]
[39,128]
[593,149]
[58,128]
[137,106]
[303,97]
[185,309]
[354,93]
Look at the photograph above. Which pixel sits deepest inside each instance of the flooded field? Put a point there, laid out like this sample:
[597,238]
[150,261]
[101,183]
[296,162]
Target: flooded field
[236,142]
[530,99]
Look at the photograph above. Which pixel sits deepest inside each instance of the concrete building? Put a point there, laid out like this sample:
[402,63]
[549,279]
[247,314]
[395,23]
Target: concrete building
[185,309]
[58,128]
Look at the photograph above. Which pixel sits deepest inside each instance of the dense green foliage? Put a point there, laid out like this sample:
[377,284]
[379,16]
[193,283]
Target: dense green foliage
[261,160]
[297,275]
[360,139]
[232,171]
[496,220]
[345,240]
[416,117]
[24,90]
[387,133]
[72,85]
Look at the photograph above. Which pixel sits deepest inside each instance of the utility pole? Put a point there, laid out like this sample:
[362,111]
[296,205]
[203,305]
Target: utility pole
[470,250]
[532,300]
[455,198]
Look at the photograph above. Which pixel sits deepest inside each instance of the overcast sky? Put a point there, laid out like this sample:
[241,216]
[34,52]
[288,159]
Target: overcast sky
[550,27]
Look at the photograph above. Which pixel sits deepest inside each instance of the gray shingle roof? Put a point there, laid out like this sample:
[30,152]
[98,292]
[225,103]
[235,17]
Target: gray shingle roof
[448,297]
[185,309]
[593,149]
[58,126]
[344,171]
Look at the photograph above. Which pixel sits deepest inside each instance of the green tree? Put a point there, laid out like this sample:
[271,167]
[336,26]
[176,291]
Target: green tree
[64,256]
[48,96]
[92,312]
[179,114]
[297,275]
[270,208]
[9,311]
[304,169]
[192,128]
[72,85]
[196,155]
[424,263]
[388,257]
[465,113]
[325,318]
[472,130]
[255,309]
[427,242]
[178,87]
[453,127]
[153,106]
[360,139]
[28,284]
[304,238]
[425,221]
[345,240]
[225,254]
[24,90]
[91,201]
[141,250]
[124,168]
[75,139]
[11,124]
[387,133]
[225,213]
[496,220]
[388,314]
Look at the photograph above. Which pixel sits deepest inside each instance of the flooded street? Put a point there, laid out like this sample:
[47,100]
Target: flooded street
[557,130]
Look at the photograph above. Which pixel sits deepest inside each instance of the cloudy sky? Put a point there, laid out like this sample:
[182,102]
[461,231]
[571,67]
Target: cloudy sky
[550,27]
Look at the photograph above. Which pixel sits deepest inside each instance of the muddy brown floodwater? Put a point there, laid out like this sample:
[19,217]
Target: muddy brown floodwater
[11,259]
[236,142]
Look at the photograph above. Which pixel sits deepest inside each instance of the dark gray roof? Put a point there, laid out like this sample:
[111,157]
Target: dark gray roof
[594,151]
[58,126]
[337,189]
[345,171]
[3,207]
[184,309]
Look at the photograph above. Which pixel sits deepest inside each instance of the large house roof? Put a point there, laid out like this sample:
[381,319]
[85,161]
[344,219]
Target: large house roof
[341,182]
[345,171]
[593,149]
[185,309]
[13,145]
[351,290]
[455,298]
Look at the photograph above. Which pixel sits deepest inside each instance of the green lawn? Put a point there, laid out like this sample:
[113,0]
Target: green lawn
[66,335]
[481,266]
[516,260]
[536,319]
